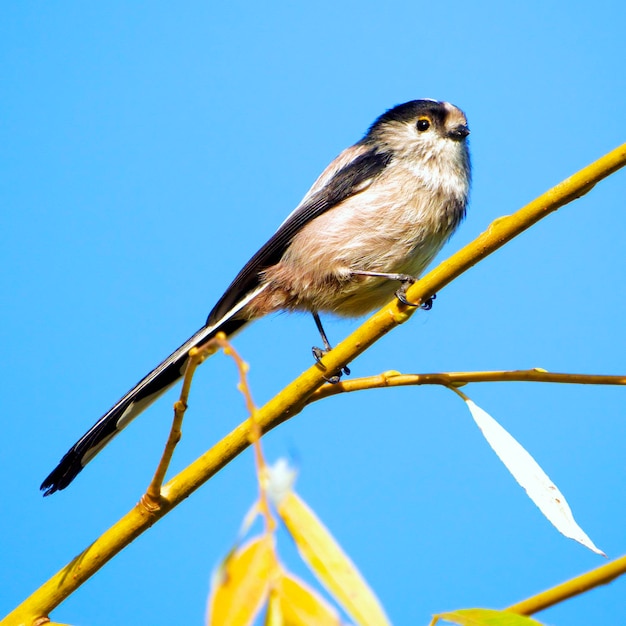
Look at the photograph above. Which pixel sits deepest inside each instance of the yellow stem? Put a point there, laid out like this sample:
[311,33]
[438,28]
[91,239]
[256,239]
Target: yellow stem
[152,498]
[580,584]
[458,379]
[255,431]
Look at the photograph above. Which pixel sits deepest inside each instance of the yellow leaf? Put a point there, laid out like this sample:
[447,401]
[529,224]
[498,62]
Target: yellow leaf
[329,563]
[242,584]
[274,615]
[302,606]
[486,617]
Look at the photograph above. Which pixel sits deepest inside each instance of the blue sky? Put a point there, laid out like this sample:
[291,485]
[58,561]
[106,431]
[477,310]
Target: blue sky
[148,150]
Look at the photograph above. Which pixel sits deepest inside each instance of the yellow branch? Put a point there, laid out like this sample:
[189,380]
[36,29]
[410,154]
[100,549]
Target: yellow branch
[600,576]
[291,400]
[458,379]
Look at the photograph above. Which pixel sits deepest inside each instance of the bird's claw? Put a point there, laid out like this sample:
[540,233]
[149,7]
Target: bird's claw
[318,354]
[427,305]
[401,293]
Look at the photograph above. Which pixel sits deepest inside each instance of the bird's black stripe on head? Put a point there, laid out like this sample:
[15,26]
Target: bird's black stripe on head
[408,112]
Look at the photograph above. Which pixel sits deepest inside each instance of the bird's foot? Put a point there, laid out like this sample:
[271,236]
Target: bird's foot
[406,282]
[318,354]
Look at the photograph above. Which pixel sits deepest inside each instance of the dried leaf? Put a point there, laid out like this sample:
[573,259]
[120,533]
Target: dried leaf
[527,472]
[329,563]
[250,517]
[302,606]
[274,614]
[241,585]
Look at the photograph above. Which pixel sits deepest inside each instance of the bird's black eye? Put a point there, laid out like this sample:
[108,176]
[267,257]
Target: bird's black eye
[423,124]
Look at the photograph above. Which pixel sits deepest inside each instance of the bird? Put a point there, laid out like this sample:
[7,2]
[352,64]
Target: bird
[375,218]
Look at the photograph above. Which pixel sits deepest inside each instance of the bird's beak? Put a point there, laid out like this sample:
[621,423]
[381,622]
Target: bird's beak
[459,132]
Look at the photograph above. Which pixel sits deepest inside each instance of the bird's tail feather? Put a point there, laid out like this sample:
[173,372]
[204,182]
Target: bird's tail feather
[146,391]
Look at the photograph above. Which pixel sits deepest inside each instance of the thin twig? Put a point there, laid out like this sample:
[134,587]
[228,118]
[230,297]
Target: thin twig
[458,379]
[255,432]
[575,586]
[152,498]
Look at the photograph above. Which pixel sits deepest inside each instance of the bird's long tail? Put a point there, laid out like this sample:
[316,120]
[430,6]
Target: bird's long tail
[146,391]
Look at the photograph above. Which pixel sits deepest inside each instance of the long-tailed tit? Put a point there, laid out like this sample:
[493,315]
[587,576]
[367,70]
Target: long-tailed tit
[377,215]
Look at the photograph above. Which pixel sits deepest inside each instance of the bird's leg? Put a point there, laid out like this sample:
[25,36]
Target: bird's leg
[318,353]
[405,281]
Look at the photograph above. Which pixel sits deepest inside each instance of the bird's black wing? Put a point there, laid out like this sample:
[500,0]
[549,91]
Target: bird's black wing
[349,180]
